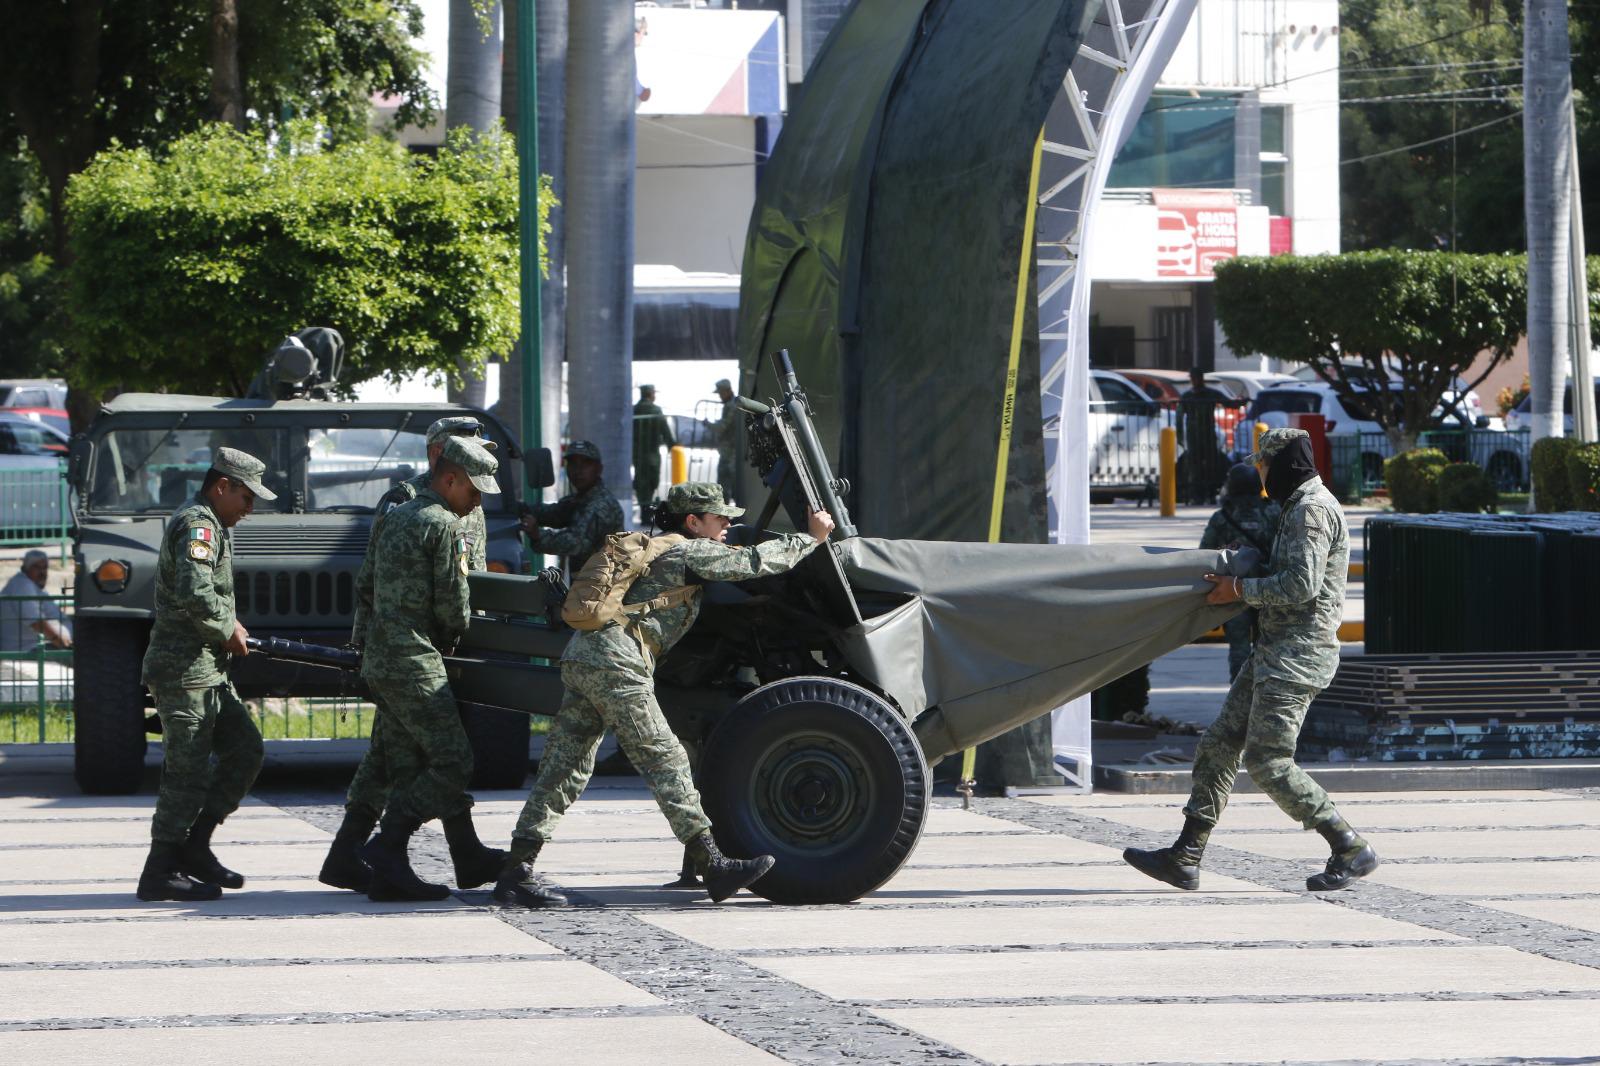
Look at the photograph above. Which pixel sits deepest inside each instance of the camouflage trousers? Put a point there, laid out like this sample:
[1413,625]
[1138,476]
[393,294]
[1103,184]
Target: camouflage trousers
[1259,725]
[597,698]
[1237,630]
[423,753]
[369,789]
[197,723]
[646,482]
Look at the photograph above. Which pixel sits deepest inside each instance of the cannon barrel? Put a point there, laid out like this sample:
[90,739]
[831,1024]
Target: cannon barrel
[300,652]
[797,409]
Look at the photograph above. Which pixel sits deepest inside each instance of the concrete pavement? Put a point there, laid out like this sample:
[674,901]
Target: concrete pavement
[1014,935]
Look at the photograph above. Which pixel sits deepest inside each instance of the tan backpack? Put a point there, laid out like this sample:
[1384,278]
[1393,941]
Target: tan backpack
[595,599]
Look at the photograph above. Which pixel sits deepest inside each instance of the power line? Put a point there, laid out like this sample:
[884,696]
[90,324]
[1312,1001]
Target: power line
[1435,140]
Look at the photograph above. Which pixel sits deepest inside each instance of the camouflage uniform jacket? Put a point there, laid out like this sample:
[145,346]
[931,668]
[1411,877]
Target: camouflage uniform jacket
[415,576]
[635,648]
[1302,597]
[403,492]
[1251,521]
[651,433]
[194,601]
[579,524]
[727,428]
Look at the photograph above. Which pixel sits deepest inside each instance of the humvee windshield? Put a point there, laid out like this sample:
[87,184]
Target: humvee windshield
[346,468]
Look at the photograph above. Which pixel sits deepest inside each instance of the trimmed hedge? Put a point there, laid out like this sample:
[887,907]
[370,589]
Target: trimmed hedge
[1583,477]
[1465,487]
[1412,478]
[1548,466]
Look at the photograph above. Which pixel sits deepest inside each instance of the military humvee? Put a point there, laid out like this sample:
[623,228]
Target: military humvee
[295,559]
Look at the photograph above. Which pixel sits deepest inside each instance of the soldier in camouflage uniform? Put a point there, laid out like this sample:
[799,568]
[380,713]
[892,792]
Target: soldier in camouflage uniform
[651,433]
[185,668]
[609,679]
[1301,601]
[416,576]
[575,526]
[727,428]
[1245,519]
[343,867]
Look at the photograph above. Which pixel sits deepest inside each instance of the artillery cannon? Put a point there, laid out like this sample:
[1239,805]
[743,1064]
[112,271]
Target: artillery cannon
[815,701]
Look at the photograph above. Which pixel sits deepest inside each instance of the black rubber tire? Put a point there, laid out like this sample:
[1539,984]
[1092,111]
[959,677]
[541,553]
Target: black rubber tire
[108,705]
[499,742]
[862,764]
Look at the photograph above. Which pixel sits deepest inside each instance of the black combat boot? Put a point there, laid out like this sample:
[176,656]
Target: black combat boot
[476,864]
[344,867]
[393,879]
[724,876]
[1178,865]
[687,878]
[518,885]
[161,879]
[197,860]
[1352,857]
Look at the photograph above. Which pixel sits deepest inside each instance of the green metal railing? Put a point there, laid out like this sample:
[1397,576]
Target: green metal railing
[34,507]
[1358,457]
[36,681]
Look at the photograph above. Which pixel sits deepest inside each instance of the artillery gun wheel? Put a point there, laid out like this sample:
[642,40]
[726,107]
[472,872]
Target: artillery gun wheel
[108,710]
[499,742]
[826,776]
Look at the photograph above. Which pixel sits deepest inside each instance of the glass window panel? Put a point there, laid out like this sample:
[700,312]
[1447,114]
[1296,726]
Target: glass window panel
[1181,140]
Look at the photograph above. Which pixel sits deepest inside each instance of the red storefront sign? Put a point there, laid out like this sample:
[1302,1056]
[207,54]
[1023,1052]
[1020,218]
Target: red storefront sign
[1195,230]
[1280,235]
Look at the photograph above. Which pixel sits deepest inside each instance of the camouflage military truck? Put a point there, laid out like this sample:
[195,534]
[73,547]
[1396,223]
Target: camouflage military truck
[295,559]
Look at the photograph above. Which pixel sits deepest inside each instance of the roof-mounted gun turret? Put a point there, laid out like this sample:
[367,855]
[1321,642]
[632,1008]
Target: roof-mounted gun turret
[305,365]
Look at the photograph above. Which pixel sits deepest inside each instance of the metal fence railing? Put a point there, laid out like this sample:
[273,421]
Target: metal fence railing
[33,505]
[35,675]
[1503,454]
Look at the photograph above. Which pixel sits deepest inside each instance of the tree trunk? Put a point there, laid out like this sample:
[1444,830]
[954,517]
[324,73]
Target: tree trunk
[472,101]
[1547,184]
[553,161]
[227,87]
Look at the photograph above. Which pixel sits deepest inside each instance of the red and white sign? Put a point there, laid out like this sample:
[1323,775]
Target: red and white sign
[1195,230]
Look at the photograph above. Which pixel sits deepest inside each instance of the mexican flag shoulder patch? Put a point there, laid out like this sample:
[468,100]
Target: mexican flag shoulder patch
[204,533]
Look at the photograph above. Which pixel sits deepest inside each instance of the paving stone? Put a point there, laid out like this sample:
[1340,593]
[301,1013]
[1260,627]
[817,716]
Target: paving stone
[1180,972]
[1463,844]
[954,820]
[74,806]
[263,898]
[222,991]
[1000,884]
[385,936]
[846,928]
[957,850]
[496,827]
[124,863]
[618,1041]
[1174,801]
[1493,878]
[1477,1031]
[79,831]
[564,856]
[1369,816]
[1577,913]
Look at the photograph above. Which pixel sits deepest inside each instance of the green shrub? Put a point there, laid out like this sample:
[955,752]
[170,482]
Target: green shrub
[1583,476]
[1465,487]
[1412,479]
[1548,466]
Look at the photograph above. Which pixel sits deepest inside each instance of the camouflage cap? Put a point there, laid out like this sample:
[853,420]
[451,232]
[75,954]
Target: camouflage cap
[244,468]
[700,497]
[469,454]
[723,383]
[584,449]
[1274,441]
[458,426]
[647,388]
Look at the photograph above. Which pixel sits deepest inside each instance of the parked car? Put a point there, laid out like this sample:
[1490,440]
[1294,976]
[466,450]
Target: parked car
[31,489]
[1124,435]
[1246,384]
[1521,416]
[1162,386]
[54,417]
[33,392]
[22,435]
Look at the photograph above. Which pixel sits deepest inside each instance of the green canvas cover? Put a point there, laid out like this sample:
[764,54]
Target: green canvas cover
[884,253]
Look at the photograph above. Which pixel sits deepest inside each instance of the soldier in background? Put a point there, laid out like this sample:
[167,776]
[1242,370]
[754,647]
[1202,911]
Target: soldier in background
[416,576]
[727,428]
[1245,519]
[1203,460]
[651,433]
[575,526]
[343,867]
[185,668]
[1301,601]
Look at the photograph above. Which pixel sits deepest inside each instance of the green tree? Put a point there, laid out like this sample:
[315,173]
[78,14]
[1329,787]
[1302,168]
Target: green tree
[189,264]
[1423,317]
[28,280]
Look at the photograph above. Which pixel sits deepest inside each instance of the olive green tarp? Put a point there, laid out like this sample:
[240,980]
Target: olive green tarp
[995,635]
[884,253]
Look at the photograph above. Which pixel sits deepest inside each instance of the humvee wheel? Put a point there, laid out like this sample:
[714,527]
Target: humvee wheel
[499,742]
[108,712]
[824,775]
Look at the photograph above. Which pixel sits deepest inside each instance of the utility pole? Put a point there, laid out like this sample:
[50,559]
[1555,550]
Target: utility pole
[528,204]
[1583,408]
[1547,190]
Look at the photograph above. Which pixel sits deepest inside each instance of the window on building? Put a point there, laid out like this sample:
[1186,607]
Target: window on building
[1274,159]
[1181,140]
